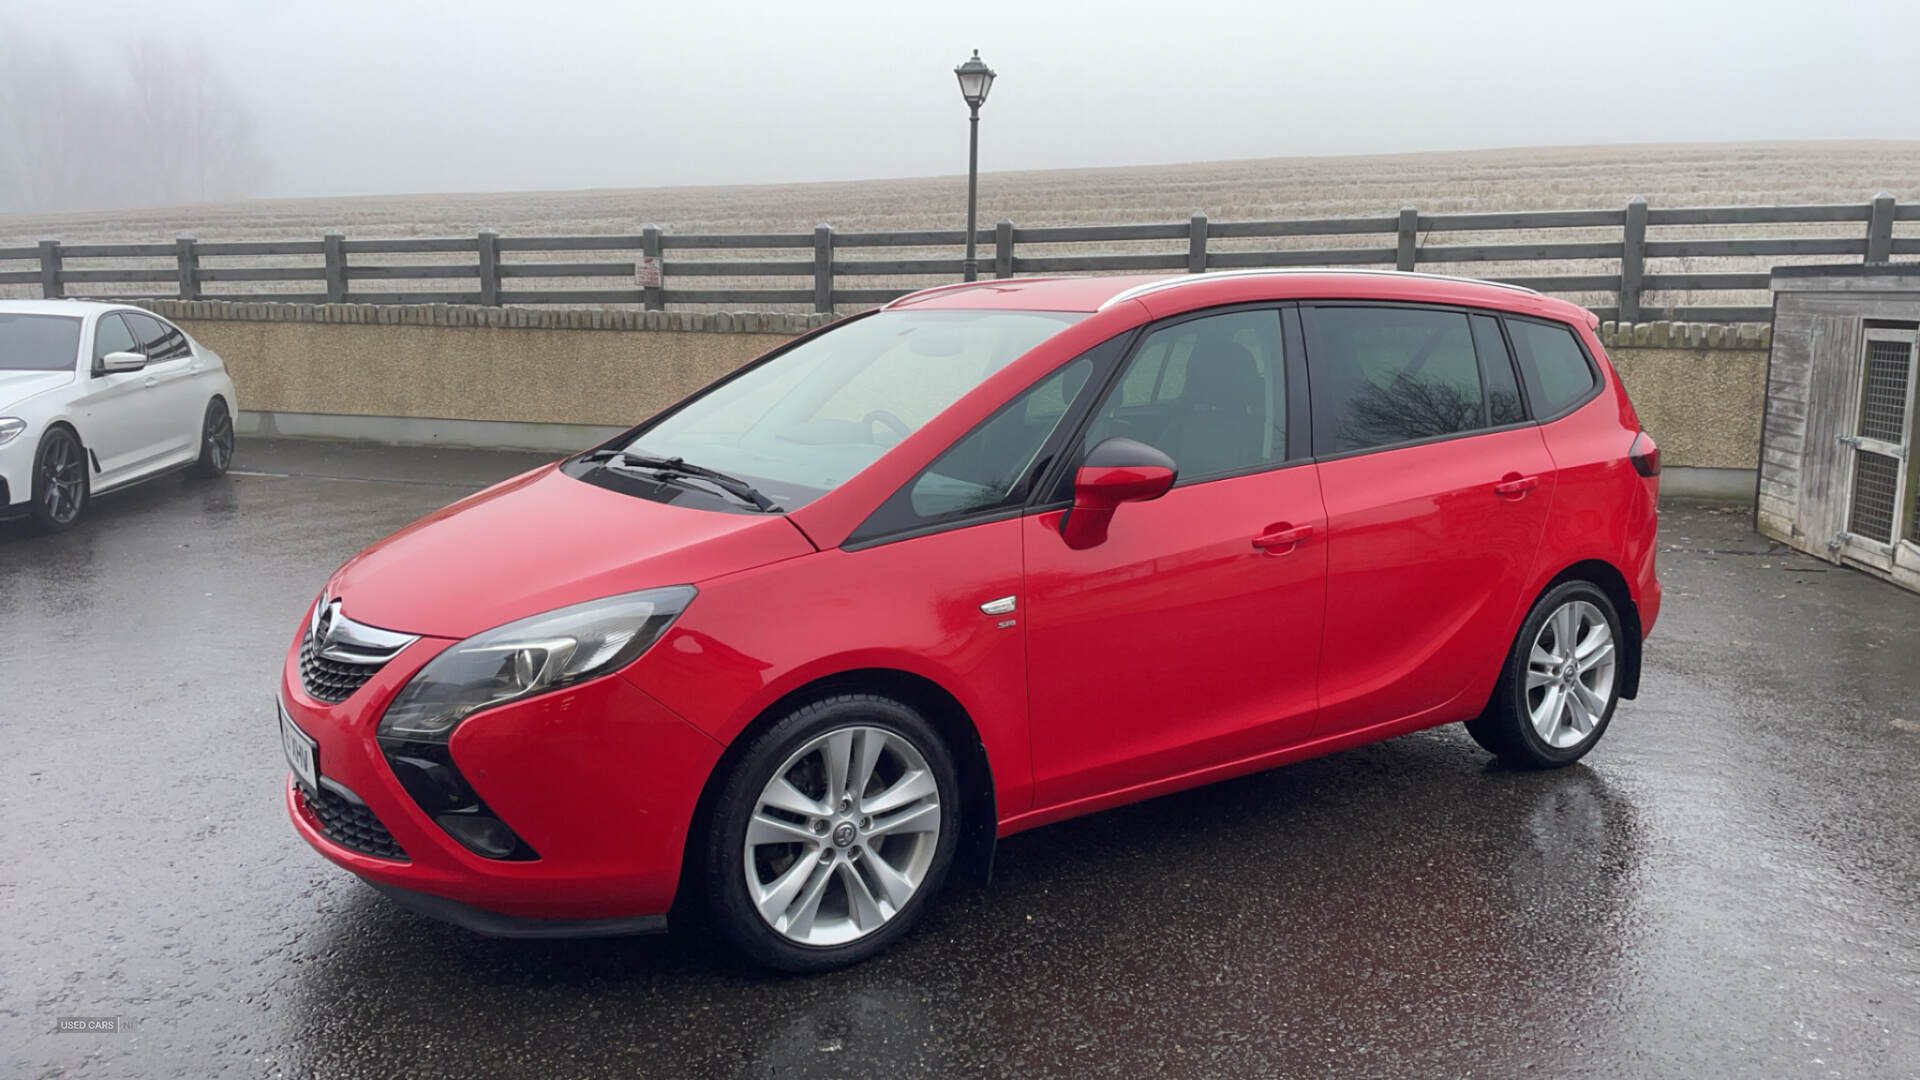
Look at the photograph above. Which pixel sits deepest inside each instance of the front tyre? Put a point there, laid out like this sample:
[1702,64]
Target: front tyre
[832,834]
[60,482]
[216,441]
[1561,682]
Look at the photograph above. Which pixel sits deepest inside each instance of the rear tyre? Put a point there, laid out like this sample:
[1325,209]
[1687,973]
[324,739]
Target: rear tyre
[1561,682]
[60,482]
[216,441]
[832,834]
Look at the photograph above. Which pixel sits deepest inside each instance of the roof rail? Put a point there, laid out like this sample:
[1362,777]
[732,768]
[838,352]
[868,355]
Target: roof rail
[1188,279]
[958,285]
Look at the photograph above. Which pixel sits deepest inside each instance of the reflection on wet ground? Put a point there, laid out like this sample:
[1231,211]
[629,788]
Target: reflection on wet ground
[1728,887]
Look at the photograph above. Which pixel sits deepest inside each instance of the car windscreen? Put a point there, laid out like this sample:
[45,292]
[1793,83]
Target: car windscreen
[38,342]
[806,421]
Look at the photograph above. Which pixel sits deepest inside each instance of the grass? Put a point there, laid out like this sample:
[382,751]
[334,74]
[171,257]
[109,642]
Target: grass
[1591,177]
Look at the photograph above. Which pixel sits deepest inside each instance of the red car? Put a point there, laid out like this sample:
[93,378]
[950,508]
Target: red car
[799,648]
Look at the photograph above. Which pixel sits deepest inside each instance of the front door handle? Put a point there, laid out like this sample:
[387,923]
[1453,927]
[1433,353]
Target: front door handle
[1514,487]
[152,382]
[1281,539]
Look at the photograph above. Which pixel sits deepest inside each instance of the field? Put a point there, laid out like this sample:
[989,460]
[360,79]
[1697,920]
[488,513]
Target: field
[1601,177]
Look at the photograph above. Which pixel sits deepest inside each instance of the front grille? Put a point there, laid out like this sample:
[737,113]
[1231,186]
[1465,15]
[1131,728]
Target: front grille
[339,655]
[331,681]
[346,821]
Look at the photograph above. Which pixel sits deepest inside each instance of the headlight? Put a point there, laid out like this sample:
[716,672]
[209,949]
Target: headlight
[10,426]
[532,656]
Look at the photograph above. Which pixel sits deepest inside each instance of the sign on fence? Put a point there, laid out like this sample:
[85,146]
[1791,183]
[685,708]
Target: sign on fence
[646,272]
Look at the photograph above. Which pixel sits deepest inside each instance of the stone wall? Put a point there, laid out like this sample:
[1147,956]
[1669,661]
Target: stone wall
[473,363]
[1698,388]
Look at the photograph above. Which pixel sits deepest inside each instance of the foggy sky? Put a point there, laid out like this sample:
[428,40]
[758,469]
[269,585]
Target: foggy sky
[363,97]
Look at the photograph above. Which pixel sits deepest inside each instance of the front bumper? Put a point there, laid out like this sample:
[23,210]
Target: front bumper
[494,924]
[16,475]
[599,779]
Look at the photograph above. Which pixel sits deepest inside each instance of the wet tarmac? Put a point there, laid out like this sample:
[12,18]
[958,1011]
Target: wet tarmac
[1729,886]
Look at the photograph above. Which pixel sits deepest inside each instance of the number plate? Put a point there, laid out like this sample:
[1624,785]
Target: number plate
[303,754]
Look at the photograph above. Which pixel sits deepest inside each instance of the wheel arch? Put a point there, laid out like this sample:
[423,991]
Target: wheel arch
[67,423]
[973,859]
[1606,577]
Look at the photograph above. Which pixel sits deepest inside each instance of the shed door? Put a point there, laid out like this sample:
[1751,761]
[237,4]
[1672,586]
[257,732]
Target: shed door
[1880,509]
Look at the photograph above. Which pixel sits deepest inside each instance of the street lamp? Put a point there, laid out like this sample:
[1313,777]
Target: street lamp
[976,79]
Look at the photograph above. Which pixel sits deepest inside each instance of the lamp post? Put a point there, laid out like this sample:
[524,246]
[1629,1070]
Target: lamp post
[976,79]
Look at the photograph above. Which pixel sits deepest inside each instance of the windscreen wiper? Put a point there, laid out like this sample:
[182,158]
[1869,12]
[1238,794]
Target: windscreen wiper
[673,466]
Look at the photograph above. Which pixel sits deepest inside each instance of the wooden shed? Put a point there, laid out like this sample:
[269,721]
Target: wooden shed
[1837,476]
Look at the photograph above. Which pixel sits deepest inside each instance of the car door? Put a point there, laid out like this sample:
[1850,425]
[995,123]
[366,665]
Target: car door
[113,418]
[174,404]
[1189,637]
[1437,492]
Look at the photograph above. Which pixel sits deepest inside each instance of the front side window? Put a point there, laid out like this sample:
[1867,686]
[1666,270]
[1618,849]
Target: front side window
[39,342]
[1210,393]
[992,467]
[806,421]
[112,336]
[1383,376]
[1555,361]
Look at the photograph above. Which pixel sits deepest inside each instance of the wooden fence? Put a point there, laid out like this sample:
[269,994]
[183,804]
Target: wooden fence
[491,269]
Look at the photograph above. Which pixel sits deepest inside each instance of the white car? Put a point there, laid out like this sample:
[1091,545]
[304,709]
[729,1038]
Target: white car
[98,396]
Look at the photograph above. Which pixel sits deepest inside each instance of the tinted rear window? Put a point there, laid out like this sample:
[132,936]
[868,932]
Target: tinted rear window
[1391,375]
[39,342]
[1556,363]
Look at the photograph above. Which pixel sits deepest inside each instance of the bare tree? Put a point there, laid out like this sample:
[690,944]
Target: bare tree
[194,132]
[162,127]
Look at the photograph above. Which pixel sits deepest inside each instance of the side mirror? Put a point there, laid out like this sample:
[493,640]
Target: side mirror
[122,361]
[1114,472]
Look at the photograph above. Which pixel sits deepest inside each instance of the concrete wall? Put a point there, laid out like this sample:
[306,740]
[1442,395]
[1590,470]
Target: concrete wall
[1697,388]
[559,380]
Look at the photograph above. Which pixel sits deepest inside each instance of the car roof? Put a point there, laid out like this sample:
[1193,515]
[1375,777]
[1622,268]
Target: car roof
[1170,294]
[60,307]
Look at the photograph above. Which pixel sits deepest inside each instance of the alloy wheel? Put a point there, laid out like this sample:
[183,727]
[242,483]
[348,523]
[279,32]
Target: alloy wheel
[842,836]
[63,478]
[219,437]
[1570,674]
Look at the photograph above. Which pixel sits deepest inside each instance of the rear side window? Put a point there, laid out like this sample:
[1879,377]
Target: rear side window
[1383,376]
[161,341]
[1556,365]
[1496,371]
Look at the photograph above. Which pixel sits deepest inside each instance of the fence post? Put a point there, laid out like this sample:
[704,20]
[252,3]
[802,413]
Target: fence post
[1409,237]
[823,268]
[1880,229]
[50,287]
[334,244]
[1003,250]
[189,261]
[1633,259]
[1197,243]
[650,249]
[489,248]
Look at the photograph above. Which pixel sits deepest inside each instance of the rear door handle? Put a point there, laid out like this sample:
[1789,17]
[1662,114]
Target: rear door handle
[1283,538]
[1516,486]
